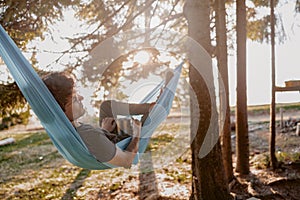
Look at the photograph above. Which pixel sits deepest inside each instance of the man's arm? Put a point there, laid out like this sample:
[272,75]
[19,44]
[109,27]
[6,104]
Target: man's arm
[126,157]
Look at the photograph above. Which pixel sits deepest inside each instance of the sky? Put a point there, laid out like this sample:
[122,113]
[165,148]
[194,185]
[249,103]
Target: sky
[259,65]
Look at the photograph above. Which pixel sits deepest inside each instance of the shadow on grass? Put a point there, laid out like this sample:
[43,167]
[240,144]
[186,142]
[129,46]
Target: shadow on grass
[29,153]
[148,185]
[77,183]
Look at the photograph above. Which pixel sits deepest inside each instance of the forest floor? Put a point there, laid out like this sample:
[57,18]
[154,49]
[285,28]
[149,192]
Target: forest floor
[32,168]
[263,182]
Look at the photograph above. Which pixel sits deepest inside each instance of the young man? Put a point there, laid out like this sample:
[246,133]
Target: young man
[99,140]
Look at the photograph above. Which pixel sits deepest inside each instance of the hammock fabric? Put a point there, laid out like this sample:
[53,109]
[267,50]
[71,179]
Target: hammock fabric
[55,122]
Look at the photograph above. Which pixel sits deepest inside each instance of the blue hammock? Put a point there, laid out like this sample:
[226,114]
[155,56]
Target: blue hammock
[55,122]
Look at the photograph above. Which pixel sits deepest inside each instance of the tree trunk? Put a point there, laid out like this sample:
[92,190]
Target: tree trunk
[272,144]
[242,139]
[208,181]
[221,37]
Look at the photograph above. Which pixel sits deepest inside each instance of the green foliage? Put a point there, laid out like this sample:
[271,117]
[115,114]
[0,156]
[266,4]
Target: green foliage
[25,20]
[263,3]
[11,98]
[14,119]
[260,3]
[97,11]
[297,6]
[257,29]
[14,109]
[106,19]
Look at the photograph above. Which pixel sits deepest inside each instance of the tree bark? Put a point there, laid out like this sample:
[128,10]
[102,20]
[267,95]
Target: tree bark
[221,38]
[242,139]
[208,181]
[274,163]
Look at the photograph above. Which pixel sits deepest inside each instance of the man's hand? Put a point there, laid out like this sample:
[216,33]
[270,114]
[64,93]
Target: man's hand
[125,157]
[108,124]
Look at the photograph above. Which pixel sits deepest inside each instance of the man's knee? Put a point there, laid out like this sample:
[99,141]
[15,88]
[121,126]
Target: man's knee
[106,105]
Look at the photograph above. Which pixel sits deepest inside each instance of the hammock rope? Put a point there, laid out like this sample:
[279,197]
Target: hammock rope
[58,127]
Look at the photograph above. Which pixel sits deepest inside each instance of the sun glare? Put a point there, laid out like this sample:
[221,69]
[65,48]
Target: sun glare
[141,57]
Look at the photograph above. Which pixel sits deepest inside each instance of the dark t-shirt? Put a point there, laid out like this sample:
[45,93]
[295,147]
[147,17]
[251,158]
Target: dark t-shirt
[98,141]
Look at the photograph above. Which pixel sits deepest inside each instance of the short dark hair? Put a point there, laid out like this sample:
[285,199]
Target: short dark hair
[61,85]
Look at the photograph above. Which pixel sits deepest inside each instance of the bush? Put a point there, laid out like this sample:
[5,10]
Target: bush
[14,119]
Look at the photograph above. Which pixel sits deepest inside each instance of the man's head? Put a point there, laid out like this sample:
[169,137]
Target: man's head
[62,87]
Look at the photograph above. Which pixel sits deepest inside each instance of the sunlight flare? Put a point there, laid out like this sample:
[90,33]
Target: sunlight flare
[141,57]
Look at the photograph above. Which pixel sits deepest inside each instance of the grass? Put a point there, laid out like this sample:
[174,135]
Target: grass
[178,176]
[288,157]
[159,140]
[25,151]
[32,168]
[262,161]
[29,168]
[164,136]
[257,109]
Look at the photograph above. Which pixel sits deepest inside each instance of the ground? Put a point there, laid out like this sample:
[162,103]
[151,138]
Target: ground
[262,182]
[32,168]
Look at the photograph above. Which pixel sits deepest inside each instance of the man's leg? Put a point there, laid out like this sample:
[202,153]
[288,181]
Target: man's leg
[113,108]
